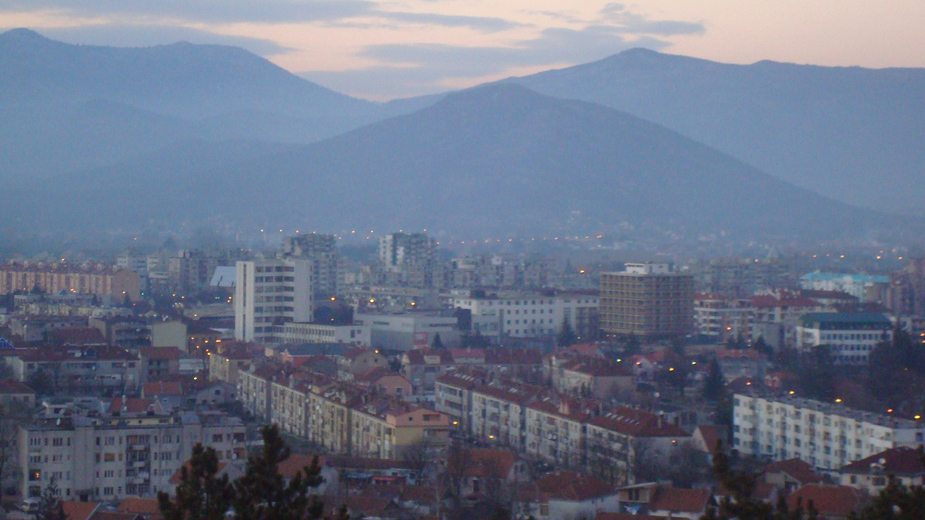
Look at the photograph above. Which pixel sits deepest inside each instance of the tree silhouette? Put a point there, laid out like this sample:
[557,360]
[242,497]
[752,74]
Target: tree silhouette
[201,494]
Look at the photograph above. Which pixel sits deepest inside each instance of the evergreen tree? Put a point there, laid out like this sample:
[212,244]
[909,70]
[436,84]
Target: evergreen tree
[200,494]
[762,346]
[566,335]
[437,343]
[50,507]
[262,494]
[714,386]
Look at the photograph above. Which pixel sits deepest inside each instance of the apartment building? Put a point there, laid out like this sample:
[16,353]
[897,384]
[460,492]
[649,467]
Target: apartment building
[717,318]
[54,277]
[269,294]
[826,435]
[530,314]
[499,413]
[556,430]
[109,457]
[388,428]
[453,396]
[328,269]
[615,438]
[649,301]
[104,369]
[408,259]
[851,337]
[404,331]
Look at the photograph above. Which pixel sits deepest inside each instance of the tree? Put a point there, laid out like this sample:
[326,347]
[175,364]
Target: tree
[895,502]
[50,507]
[437,343]
[42,382]
[762,346]
[714,386]
[262,494]
[201,494]
[740,503]
[817,374]
[566,335]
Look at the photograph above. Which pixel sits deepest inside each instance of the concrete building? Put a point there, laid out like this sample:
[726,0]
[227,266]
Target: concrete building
[857,285]
[717,319]
[269,294]
[328,269]
[107,369]
[649,301]
[109,457]
[826,435]
[530,314]
[404,331]
[56,277]
[851,337]
[297,332]
[408,259]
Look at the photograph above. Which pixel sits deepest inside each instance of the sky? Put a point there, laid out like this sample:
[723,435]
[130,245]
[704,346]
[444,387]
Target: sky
[383,50]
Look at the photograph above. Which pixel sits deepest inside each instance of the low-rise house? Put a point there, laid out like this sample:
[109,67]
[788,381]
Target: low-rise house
[14,394]
[676,503]
[385,382]
[872,474]
[566,494]
[589,377]
[831,502]
[741,363]
[359,361]
[479,473]
[790,475]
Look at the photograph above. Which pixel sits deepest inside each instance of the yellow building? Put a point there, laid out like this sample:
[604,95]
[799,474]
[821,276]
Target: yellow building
[96,279]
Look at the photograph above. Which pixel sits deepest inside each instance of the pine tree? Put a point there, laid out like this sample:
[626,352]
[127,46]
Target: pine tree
[714,386]
[50,507]
[201,494]
[437,343]
[262,494]
[567,335]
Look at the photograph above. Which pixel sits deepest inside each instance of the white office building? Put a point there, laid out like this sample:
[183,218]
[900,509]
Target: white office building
[269,294]
[826,435]
[529,314]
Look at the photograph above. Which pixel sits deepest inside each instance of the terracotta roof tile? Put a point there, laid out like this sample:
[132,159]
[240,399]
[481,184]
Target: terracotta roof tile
[78,510]
[828,500]
[679,500]
[800,471]
[901,461]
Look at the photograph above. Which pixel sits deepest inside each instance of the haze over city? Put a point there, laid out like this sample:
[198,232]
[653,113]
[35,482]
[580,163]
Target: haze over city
[435,259]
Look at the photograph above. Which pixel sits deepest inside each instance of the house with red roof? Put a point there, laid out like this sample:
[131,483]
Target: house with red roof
[588,376]
[789,475]
[832,502]
[159,362]
[16,394]
[477,472]
[672,502]
[74,510]
[871,474]
[566,494]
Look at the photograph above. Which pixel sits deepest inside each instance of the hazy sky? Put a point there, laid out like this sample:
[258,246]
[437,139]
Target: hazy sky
[385,49]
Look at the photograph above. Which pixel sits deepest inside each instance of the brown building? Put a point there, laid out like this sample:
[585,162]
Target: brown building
[56,277]
[649,301]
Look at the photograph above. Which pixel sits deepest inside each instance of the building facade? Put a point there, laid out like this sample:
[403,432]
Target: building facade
[648,301]
[826,435]
[269,294]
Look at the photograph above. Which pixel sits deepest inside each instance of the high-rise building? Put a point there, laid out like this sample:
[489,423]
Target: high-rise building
[647,300]
[408,259]
[269,293]
[328,267]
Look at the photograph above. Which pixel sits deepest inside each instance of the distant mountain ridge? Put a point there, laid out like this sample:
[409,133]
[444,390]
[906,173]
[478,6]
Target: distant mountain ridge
[494,162]
[71,107]
[851,133]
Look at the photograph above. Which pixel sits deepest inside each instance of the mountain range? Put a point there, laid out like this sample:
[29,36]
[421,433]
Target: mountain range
[178,136]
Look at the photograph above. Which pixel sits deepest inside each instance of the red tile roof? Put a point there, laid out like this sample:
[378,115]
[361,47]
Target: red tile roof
[712,434]
[481,463]
[902,461]
[796,469]
[143,506]
[131,405]
[163,388]
[637,423]
[679,500]
[295,463]
[828,500]
[572,486]
[78,510]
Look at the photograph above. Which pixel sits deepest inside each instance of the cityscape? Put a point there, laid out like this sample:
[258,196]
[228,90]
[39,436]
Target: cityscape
[419,260]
